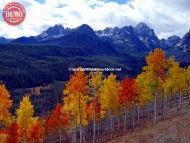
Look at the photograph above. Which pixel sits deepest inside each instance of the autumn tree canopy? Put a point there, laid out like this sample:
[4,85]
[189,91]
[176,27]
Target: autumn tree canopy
[6,103]
[25,114]
[58,118]
[75,99]
[128,94]
[109,94]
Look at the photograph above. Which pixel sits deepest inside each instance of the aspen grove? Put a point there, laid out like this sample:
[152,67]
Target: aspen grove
[96,108]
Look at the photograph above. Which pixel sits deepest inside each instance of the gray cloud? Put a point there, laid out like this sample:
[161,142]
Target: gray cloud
[166,17]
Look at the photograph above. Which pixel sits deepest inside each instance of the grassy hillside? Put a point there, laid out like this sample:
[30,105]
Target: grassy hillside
[174,129]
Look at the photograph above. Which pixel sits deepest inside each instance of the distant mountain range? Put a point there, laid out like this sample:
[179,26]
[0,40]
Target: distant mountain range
[48,55]
[126,39]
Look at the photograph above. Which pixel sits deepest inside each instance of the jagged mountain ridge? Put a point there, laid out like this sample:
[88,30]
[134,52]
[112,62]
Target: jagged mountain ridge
[82,41]
[146,35]
[127,39]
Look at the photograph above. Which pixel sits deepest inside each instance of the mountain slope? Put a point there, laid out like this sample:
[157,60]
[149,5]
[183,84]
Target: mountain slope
[83,42]
[170,42]
[184,43]
[4,40]
[147,36]
[125,40]
[53,32]
[34,65]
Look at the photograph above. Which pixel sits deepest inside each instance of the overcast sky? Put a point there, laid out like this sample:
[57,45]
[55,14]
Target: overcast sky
[166,17]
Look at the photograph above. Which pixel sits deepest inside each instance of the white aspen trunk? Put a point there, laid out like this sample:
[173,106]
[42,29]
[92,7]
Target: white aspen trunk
[171,99]
[94,127]
[80,134]
[125,120]
[80,126]
[164,111]
[98,125]
[133,118]
[180,100]
[155,108]
[189,91]
[118,124]
[84,135]
[148,114]
[26,141]
[73,138]
[111,126]
[60,136]
[75,132]
[138,115]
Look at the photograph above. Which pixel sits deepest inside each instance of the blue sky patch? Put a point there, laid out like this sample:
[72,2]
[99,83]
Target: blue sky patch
[118,1]
[41,1]
[1,16]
